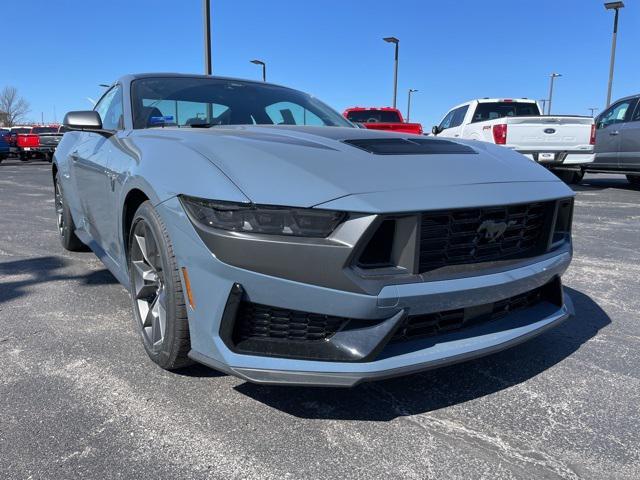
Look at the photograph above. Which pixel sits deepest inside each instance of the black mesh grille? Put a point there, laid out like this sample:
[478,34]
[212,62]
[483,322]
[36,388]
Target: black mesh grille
[418,326]
[255,321]
[465,236]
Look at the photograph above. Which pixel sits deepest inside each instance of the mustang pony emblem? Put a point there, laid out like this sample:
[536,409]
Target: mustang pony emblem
[493,230]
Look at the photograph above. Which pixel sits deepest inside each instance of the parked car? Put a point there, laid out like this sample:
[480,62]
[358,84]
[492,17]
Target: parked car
[381,118]
[617,148]
[49,138]
[310,252]
[5,143]
[563,144]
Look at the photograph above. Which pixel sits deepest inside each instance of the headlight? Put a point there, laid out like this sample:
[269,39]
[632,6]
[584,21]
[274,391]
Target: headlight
[245,217]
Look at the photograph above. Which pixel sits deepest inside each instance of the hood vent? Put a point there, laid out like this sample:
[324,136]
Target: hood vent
[409,146]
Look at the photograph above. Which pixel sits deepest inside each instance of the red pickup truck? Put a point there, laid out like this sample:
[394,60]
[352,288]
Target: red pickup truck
[381,118]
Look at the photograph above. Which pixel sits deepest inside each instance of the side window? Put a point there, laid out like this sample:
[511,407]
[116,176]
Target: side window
[458,116]
[614,114]
[447,120]
[110,109]
[636,114]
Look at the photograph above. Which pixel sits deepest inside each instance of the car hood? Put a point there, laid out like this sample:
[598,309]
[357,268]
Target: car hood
[307,166]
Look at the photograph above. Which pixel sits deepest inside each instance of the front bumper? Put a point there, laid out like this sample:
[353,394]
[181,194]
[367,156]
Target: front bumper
[212,282]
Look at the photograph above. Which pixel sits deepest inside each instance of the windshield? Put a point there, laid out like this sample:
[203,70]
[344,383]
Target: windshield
[38,130]
[373,116]
[185,101]
[492,110]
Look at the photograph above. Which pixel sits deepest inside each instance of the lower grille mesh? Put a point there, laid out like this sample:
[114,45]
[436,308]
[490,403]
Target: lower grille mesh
[432,324]
[262,321]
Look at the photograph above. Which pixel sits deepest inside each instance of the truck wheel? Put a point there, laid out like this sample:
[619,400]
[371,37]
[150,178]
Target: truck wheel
[569,177]
[66,227]
[634,180]
[159,308]
[23,157]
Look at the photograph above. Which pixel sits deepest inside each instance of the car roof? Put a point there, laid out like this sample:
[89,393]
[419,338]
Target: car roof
[127,79]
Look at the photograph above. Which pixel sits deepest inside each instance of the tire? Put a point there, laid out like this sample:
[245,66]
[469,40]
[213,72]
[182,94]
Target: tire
[156,290]
[66,226]
[569,177]
[634,180]
[23,157]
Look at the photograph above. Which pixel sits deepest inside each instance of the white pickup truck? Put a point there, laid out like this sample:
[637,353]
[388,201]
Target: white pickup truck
[561,143]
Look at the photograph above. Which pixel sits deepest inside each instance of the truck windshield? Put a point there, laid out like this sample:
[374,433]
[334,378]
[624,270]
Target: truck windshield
[38,130]
[204,102]
[491,110]
[373,116]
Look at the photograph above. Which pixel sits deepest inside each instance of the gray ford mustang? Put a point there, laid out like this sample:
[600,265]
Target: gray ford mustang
[261,234]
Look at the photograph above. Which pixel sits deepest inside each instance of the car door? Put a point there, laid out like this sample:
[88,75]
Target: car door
[608,129]
[455,129]
[629,153]
[445,124]
[89,164]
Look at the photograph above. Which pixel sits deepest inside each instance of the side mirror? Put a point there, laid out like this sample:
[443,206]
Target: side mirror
[83,120]
[435,130]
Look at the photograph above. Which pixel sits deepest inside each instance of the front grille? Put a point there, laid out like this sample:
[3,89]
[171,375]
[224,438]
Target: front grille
[431,324]
[255,321]
[474,235]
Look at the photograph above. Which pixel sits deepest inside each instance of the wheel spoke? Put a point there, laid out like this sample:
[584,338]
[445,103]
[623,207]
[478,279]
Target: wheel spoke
[149,292]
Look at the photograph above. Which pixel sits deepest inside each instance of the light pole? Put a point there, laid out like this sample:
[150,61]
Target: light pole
[395,41]
[264,68]
[613,6]
[543,101]
[593,111]
[411,90]
[206,17]
[553,77]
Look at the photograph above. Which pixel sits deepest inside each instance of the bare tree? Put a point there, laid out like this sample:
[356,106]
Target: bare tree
[13,107]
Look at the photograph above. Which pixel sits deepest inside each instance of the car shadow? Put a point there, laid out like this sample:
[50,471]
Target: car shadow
[594,183]
[40,270]
[444,387]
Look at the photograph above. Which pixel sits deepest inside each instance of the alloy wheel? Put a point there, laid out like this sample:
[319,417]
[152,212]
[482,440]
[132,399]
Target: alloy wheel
[149,290]
[59,203]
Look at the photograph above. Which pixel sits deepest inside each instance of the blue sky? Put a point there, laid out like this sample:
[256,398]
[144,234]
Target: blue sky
[451,51]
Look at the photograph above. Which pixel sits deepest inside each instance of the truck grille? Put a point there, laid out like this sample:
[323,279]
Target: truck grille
[255,321]
[467,236]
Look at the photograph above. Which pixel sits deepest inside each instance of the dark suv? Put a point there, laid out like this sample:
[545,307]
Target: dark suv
[617,148]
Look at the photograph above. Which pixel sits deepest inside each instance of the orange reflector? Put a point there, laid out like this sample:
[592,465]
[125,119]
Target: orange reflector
[187,287]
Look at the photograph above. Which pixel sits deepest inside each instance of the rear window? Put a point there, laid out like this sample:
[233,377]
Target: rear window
[21,130]
[374,116]
[38,130]
[493,110]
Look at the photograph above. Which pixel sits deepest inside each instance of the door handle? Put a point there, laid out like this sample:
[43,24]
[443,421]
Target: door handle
[74,155]
[615,132]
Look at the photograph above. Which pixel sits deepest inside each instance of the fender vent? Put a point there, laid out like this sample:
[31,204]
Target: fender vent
[409,146]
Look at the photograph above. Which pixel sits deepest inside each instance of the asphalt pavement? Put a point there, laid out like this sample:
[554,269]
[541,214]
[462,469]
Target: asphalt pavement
[80,399]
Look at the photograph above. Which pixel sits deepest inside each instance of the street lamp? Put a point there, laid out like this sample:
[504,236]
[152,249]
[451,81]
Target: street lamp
[543,101]
[395,41]
[553,77]
[206,17]
[411,90]
[613,6]
[264,68]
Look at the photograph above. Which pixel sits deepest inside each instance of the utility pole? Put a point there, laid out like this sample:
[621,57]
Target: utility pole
[613,6]
[553,77]
[264,68]
[206,16]
[411,90]
[395,41]
[593,111]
